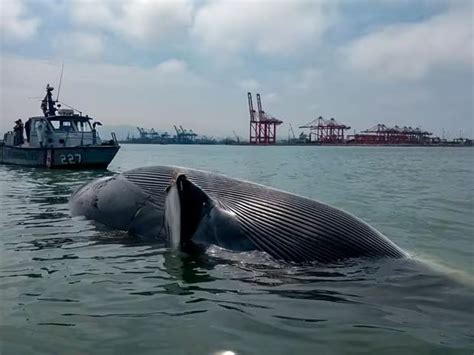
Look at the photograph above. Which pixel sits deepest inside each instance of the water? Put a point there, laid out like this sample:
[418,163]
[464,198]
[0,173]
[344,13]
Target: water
[69,286]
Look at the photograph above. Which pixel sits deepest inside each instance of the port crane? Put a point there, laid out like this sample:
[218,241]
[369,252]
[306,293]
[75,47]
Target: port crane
[262,125]
[326,131]
[292,133]
[236,137]
[383,134]
[183,135]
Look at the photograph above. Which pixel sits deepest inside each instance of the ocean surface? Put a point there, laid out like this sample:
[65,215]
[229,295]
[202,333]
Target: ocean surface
[68,286]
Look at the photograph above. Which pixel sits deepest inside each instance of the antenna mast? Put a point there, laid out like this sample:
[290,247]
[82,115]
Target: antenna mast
[60,81]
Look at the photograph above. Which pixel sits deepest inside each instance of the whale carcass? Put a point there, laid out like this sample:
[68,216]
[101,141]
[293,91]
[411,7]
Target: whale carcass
[188,207]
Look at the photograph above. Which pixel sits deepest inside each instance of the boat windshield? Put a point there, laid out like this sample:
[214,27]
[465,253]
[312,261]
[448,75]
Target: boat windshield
[84,126]
[62,125]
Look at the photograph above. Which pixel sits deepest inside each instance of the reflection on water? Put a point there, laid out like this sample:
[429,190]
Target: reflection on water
[68,284]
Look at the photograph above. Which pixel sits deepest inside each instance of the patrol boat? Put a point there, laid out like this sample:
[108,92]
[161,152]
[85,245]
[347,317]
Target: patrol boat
[62,138]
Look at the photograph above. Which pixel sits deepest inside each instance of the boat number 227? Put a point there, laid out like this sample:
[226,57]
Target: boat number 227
[70,158]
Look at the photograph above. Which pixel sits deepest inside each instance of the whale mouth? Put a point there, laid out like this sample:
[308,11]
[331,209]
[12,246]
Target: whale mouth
[185,205]
[173,215]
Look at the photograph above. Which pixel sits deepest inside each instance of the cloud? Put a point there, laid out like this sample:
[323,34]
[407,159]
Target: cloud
[145,21]
[248,84]
[271,97]
[15,22]
[176,74]
[79,45]
[410,51]
[280,27]
[314,107]
[305,79]
[171,67]
[113,92]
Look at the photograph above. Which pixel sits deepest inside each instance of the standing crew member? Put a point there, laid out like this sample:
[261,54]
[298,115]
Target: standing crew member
[28,130]
[40,132]
[18,133]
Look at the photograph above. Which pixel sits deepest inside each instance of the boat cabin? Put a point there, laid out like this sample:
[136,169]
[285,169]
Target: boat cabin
[58,127]
[63,130]
[66,129]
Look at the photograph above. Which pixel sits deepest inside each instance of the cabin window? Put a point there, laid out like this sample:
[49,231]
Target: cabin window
[56,125]
[84,126]
[62,125]
[67,126]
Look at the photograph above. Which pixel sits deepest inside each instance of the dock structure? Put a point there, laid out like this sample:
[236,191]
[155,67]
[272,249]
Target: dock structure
[262,125]
[382,134]
[150,136]
[326,131]
[184,136]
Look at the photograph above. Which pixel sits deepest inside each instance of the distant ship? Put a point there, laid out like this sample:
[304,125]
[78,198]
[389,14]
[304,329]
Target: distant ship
[61,138]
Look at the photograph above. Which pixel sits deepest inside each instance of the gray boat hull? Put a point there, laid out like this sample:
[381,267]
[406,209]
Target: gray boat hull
[64,157]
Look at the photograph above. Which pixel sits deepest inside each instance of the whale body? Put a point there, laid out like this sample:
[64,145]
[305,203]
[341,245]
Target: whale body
[189,207]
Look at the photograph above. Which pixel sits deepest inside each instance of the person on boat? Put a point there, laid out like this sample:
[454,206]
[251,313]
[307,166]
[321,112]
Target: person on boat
[94,132]
[28,130]
[40,127]
[18,131]
[16,128]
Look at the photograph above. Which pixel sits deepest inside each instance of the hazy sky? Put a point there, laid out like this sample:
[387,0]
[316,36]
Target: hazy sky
[159,63]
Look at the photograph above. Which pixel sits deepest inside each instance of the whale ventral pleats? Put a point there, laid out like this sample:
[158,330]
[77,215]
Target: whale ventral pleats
[213,209]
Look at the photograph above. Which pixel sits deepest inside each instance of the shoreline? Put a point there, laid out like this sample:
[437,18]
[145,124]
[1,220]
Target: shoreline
[311,144]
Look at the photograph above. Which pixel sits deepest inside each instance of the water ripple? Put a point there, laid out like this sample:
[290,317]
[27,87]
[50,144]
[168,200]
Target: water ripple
[67,283]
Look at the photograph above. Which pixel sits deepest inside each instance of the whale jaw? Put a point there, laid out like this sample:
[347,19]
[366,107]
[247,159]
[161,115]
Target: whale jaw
[185,206]
[173,216]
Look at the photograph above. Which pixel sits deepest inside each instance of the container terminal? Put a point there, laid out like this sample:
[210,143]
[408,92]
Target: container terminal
[320,131]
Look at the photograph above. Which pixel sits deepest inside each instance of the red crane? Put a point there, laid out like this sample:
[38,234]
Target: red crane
[382,134]
[263,125]
[326,131]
